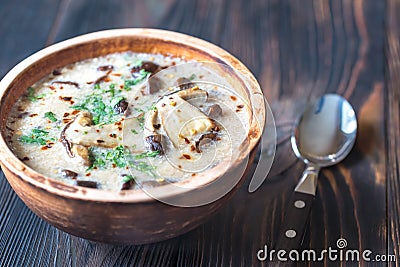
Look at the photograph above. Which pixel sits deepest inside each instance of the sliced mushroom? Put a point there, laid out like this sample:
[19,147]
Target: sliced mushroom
[68,173]
[81,153]
[147,66]
[184,83]
[154,143]
[121,107]
[101,79]
[81,132]
[214,111]
[56,72]
[84,118]
[204,139]
[154,85]
[89,184]
[105,68]
[193,93]
[180,120]
[151,120]
[67,83]
[127,185]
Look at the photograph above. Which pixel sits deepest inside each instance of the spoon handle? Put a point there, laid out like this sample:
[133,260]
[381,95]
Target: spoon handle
[297,215]
[295,221]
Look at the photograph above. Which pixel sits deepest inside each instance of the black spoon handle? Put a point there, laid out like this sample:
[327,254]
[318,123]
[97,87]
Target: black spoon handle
[296,217]
[295,222]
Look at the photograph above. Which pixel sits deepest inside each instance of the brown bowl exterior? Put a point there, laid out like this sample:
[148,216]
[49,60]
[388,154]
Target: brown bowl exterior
[115,222]
[118,217]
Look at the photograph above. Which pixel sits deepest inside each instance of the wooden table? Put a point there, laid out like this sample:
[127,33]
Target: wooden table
[298,50]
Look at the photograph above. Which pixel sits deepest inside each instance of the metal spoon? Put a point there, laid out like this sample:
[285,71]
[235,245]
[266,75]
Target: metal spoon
[324,136]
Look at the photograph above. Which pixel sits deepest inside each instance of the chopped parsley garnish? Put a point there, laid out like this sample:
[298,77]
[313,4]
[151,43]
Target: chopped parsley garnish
[142,167]
[147,154]
[141,75]
[141,119]
[134,131]
[121,157]
[51,116]
[116,100]
[31,95]
[192,77]
[112,156]
[97,86]
[102,113]
[37,136]
[117,156]
[111,90]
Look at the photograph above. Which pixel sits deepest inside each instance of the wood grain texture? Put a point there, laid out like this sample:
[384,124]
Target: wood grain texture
[24,29]
[298,50]
[393,124]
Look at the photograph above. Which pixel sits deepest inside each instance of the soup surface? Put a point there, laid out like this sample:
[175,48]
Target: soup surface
[127,120]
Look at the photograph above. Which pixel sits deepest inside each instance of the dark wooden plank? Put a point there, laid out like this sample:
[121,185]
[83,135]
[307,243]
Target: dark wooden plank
[24,29]
[308,48]
[79,17]
[393,124]
[23,236]
[192,17]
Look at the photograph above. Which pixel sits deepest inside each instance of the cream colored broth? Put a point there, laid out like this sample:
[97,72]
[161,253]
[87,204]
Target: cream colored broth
[65,92]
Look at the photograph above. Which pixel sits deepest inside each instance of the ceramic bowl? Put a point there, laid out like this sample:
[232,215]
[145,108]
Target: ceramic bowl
[132,216]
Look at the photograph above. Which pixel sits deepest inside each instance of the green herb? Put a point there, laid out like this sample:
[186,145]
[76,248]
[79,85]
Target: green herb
[114,101]
[37,136]
[142,167]
[115,156]
[121,157]
[140,77]
[128,178]
[51,116]
[102,113]
[147,154]
[192,77]
[97,86]
[31,95]
[134,131]
[97,161]
[140,119]
[111,90]
[85,132]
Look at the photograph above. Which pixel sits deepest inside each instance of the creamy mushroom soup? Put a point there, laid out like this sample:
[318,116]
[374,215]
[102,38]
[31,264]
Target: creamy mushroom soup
[126,120]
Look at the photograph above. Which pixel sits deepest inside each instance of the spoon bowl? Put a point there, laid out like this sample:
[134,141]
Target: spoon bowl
[326,131]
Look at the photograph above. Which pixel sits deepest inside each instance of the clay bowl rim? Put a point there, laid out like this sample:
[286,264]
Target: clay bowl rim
[24,172]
